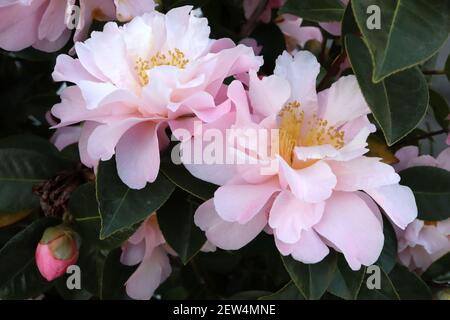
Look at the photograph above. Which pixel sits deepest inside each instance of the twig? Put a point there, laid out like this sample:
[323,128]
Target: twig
[434,72]
[252,22]
[332,71]
[429,134]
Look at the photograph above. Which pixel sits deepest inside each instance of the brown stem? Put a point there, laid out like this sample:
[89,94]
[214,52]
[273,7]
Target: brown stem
[429,134]
[433,72]
[252,22]
[332,71]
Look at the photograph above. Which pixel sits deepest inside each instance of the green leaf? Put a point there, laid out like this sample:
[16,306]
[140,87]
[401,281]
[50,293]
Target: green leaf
[387,290]
[20,170]
[431,187]
[19,276]
[29,142]
[314,10]
[349,25]
[388,256]
[121,207]
[397,113]
[84,208]
[176,220]
[409,285]
[439,271]
[288,292]
[440,109]
[185,180]
[410,32]
[113,277]
[346,283]
[311,279]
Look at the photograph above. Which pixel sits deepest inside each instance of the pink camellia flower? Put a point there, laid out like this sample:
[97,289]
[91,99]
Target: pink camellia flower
[290,25]
[134,80]
[322,191]
[43,23]
[56,251]
[148,247]
[422,242]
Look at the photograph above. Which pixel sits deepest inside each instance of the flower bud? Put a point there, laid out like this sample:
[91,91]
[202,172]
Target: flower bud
[56,251]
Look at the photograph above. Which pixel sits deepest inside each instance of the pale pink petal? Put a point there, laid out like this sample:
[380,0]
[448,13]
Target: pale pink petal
[443,160]
[301,71]
[137,155]
[152,271]
[86,131]
[291,27]
[362,173]
[332,27]
[71,70]
[309,249]
[52,24]
[289,216]
[128,9]
[352,227]
[66,136]
[342,102]
[240,203]
[269,94]
[397,201]
[227,235]
[311,184]
[132,254]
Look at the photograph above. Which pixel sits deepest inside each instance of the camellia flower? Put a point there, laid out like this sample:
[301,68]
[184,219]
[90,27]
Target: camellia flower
[422,242]
[289,24]
[146,247]
[133,81]
[56,251]
[43,23]
[323,191]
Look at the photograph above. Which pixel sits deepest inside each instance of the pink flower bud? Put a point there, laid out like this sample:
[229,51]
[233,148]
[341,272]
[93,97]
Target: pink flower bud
[56,251]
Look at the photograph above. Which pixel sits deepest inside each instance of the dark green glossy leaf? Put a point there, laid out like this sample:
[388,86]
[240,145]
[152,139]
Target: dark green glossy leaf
[315,10]
[388,255]
[440,109]
[20,170]
[431,187]
[397,113]
[409,285]
[288,292]
[84,208]
[121,207]
[114,276]
[176,220]
[186,181]
[19,276]
[439,271]
[386,291]
[410,32]
[312,279]
[346,283]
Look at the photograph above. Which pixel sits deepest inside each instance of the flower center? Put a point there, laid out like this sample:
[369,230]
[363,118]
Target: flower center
[173,58]
[295,131]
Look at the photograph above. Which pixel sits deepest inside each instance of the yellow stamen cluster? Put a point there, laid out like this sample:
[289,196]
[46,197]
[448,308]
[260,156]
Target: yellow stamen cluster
[291,119]
[320,133]
[295,132]
[173,58]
